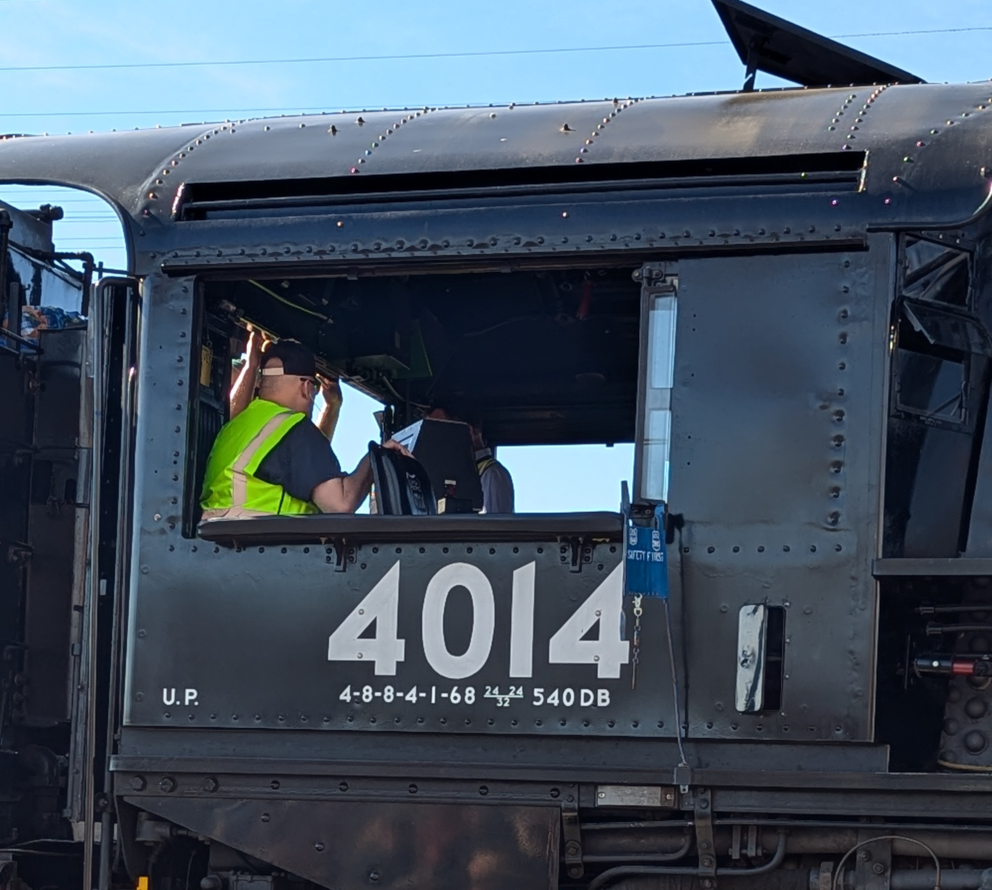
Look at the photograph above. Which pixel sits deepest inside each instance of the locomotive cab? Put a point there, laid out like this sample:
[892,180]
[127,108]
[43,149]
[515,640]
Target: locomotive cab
[769,668]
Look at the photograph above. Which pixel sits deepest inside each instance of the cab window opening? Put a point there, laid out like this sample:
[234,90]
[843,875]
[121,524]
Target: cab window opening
[546,359]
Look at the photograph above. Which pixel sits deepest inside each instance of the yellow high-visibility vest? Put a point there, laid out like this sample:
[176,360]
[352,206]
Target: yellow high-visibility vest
[238,451]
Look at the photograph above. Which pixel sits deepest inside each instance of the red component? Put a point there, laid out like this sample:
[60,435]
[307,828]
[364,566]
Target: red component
[585,301]
[962,668]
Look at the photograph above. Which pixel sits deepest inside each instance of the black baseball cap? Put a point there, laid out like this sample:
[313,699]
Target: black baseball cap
[297,360]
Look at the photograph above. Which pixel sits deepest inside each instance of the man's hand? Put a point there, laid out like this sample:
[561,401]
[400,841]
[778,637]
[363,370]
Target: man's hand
[244,387]
[329,414]
[254,348]
[330,389]
[393,445]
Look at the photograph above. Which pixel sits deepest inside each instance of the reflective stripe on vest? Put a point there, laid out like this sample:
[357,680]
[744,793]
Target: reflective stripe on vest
[240,447]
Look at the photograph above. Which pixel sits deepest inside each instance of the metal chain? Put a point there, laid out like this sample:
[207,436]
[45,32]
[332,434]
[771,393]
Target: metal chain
[636,655]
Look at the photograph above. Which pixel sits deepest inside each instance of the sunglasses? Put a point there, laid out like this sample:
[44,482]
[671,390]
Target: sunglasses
[313,381]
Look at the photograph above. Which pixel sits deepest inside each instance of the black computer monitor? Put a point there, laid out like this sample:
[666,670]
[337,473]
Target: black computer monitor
[444,447]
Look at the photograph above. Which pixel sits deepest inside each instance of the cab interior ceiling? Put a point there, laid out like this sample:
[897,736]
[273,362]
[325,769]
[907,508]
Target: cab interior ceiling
[543,357]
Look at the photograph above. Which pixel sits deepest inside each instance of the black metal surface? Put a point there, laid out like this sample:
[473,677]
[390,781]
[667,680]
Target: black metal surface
[275,671]
[967,726]
[768,43]
[54,514]
[773,467]
[935,182]
[518,527]
[908,567]
[590,758]
[389,845]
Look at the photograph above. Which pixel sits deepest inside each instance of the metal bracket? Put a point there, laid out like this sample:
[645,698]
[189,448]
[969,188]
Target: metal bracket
[572,833]
[739,846]
[340,553]
[651,273]
[579,552]
[873,863]
[705,844]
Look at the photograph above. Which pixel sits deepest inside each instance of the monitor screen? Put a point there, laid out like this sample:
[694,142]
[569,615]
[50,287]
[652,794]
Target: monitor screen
[444,447]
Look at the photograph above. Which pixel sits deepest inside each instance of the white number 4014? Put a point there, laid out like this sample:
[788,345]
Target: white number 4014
[567,646]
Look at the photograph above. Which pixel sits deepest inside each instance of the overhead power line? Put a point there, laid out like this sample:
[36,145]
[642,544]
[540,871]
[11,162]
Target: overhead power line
[221,63]
[225,111]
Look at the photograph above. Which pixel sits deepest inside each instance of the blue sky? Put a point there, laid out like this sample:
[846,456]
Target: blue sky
[57,39]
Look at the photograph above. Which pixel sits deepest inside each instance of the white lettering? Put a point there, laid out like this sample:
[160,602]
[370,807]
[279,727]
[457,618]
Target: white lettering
[522,622]
[457,667]
[608,652]
[385,649]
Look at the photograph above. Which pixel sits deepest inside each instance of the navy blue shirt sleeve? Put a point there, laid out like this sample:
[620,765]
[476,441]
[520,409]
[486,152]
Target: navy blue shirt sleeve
[300,462]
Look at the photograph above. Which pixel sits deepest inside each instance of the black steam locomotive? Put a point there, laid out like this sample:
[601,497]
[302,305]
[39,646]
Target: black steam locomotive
[770,669]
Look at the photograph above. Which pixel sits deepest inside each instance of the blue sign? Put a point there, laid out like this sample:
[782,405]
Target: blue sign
[646,558]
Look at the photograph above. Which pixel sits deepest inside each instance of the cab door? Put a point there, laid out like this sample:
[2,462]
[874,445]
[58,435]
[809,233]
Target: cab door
[777,408]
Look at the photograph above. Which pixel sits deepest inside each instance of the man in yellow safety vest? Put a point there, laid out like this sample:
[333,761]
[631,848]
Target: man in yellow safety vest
[271,459]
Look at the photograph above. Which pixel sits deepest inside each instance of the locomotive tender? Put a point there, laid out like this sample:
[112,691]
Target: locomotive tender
[782,298]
